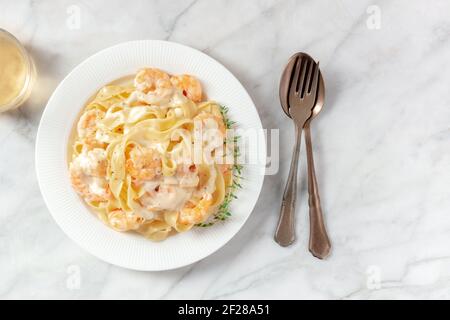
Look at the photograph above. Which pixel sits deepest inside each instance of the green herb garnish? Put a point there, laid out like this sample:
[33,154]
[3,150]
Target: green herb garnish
[223,213]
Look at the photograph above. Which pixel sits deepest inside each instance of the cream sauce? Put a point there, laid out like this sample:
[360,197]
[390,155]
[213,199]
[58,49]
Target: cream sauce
[169,193]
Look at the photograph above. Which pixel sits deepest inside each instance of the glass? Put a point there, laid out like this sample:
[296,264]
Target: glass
[17,72]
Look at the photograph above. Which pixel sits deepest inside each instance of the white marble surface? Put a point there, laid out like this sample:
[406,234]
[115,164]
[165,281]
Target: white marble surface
[382,147]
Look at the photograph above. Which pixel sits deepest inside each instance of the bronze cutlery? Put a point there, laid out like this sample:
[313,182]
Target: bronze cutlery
[298,90]
[319,243]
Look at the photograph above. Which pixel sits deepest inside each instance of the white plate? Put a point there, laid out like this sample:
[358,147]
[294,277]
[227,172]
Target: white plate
[127,249]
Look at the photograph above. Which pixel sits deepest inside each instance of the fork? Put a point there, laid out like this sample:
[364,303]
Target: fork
[302,94]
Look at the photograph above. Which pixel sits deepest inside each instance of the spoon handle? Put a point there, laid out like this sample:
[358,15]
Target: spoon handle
[319,243]
[285,232]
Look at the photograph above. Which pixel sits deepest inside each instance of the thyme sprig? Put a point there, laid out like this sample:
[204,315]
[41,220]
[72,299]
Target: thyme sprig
[228,123]
[223,212]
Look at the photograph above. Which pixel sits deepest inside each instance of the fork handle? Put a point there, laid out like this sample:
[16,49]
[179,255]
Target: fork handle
[319,243]
[285,232]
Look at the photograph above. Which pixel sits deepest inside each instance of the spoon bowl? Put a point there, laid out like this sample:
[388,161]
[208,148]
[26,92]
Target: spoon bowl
[285,85]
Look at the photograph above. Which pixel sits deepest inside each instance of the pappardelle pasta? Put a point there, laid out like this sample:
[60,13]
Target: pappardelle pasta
[151,156]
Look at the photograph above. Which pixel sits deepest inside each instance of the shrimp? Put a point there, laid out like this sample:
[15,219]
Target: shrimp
[154,81]
[143,163]
[198,213]
[121,221]
[210,121]
[88,175]
[190,86]
[87,127]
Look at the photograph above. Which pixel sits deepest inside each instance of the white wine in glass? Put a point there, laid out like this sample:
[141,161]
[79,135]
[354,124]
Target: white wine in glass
[17,72]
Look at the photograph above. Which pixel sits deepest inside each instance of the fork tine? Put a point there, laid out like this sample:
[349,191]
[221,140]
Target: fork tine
[301,87]
[315,80]
[308,78]
[294,77]
[297,67]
